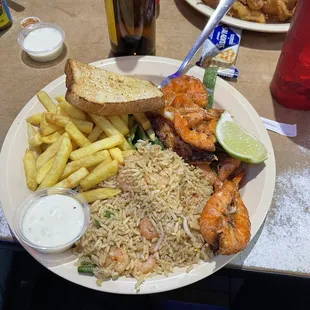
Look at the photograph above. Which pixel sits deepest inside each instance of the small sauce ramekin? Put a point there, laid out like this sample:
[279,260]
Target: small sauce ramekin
[32,201]
[45,53]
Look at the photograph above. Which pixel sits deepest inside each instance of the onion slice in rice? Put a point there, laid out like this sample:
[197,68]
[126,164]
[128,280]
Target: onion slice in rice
[186,228]
[160,240]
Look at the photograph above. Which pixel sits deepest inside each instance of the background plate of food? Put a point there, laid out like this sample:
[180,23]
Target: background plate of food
[152,226]
[255,15]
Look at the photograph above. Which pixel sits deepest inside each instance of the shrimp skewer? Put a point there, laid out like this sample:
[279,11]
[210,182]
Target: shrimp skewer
[200,140]
[224,221]
[227,166]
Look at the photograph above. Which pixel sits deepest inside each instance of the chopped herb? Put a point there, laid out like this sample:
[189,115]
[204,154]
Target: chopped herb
[96,223]
[107,214]
[132,134]
[140,135]
[130,142]
[158,142]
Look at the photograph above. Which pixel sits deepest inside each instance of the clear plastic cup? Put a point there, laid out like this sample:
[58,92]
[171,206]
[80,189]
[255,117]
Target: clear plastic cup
[42,49]
[19,217]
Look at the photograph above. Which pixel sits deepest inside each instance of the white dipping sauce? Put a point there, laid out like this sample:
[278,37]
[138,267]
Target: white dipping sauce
[53,221]
[41,44]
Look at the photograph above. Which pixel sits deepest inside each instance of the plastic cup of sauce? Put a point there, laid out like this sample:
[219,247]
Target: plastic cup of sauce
[42,41]
[51,220]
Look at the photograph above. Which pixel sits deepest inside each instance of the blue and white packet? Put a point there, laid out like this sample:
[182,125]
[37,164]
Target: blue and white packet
[221,50]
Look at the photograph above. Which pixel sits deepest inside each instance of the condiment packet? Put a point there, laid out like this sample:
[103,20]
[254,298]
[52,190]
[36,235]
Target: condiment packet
[221,50]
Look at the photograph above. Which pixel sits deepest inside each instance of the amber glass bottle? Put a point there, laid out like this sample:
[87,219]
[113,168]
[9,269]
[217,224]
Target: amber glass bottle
[132,26]
[5,16]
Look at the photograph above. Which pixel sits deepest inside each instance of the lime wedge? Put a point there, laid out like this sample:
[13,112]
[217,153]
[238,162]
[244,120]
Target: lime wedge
[237,142]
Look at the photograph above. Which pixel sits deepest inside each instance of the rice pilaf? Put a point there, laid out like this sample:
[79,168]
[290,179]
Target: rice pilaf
[160,187]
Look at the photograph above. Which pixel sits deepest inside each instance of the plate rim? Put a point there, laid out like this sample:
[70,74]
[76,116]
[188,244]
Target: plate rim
[153,59]
[238,23]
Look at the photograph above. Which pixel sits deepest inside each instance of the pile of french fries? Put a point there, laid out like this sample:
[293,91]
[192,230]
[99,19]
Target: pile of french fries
[69,148]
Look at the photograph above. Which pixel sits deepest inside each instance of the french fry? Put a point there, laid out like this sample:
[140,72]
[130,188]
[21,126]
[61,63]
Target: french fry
[100,194]
[142,120]
[60,120]
[34,138]
[102,164]
[46,101]
[60,98]
[71,110]
[61,131]
[95,134]
[60,111]
[103,144]
[125,119]
[131,121]
[102,136]
[128,153]
[125,146]
[104,124]
[43,147]
[59,164]
[74,179]
[30,170]
[51,138]
[41,173]
[47,129]
[87,161]
[117,122]
[74,145]
[50,152]
[36,150]
[34,119]
[150,132]
[100,175]
[76,135]
[117,154]
[84,126]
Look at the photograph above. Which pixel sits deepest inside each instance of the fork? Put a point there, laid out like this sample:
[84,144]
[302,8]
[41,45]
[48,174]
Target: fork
[214,20]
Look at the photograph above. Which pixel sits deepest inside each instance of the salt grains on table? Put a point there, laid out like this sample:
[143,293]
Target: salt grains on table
[4,228]
[286,232]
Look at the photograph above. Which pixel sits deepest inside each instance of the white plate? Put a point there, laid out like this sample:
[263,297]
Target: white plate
[272,27]
[257,193]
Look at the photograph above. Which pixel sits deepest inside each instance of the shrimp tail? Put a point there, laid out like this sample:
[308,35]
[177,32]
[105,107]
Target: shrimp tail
[237,178]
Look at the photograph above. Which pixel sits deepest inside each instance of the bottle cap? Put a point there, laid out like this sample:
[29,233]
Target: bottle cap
[29,20]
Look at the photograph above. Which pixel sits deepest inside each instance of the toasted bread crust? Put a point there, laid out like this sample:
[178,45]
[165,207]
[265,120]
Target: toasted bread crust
[114,108]
[74,70]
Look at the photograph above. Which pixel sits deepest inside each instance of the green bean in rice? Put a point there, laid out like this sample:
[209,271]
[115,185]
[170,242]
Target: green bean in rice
[157,185]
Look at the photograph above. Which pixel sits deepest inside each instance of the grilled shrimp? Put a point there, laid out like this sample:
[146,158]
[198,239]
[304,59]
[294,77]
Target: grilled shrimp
[224,221]
[194,118]
[227,165]
[147,229]
[207,127]
[208,172]
[185,101]
[277,8]
[200,140]
[190,86]
[255,4]
[120,257]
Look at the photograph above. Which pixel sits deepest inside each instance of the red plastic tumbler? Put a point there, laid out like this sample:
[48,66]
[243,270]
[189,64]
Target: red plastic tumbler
[290,86]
